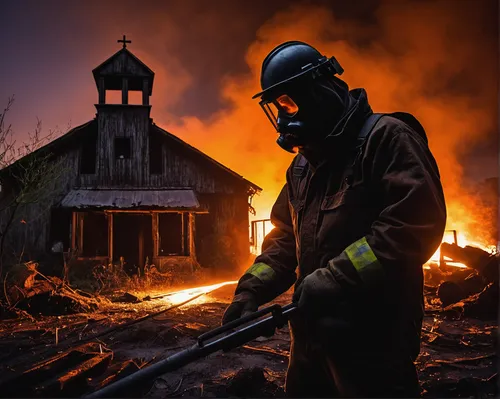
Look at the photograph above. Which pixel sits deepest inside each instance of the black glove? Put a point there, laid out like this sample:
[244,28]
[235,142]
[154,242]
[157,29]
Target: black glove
[318,294]
[320,302]
[242,305]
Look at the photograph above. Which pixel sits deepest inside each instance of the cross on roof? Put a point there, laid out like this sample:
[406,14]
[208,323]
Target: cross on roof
[124,41]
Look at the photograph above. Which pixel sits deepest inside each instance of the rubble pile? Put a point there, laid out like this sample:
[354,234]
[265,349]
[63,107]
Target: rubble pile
[62,375]
[77,352]
[471,291]
[29,290]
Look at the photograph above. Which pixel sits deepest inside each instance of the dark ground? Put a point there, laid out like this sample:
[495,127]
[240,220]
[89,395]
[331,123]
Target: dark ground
[458,357]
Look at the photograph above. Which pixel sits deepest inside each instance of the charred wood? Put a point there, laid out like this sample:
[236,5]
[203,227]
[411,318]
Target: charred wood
[454,291]
[483,305]
[483,262]
[476,290]
[114,373]
[26,382]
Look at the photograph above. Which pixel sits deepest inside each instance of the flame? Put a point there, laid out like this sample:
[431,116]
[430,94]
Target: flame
[389,66]
[261,232]
[450,236]
[462,239]
[178,297]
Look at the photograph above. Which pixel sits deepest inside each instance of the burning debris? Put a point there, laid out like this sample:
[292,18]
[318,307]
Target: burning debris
[84,342]
[60,375]
[484,263]
[29,290]
[75,357]
[467,279]
[91,351]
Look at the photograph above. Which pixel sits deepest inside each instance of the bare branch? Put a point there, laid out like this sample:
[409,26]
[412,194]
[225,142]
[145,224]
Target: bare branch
[32,173]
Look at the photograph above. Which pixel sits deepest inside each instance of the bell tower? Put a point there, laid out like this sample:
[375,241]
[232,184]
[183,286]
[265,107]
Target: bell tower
[124,71]
[123,128]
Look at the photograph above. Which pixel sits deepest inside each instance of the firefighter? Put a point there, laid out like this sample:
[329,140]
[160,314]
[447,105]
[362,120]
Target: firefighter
[361,211]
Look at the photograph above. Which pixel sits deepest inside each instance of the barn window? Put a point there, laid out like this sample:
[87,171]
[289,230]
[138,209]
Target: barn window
[123,148]
[92,234]
[155,158]
[113,97]
[135,97]
[173,234]
[89,154]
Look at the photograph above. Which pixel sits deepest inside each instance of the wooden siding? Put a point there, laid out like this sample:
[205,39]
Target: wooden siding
[222,234]
[222,237]
[30,232]
[116,121]
[180,168]
[123,63]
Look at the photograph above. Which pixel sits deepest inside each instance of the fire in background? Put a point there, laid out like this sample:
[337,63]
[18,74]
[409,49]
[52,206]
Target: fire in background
[405,65]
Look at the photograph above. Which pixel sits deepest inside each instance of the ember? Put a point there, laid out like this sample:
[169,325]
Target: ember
[454,237]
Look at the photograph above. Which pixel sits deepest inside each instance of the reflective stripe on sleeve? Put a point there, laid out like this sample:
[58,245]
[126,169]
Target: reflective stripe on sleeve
[364,260]
[262,272]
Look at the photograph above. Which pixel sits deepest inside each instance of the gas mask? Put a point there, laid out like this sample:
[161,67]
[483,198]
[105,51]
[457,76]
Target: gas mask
[304,118]
[282,113]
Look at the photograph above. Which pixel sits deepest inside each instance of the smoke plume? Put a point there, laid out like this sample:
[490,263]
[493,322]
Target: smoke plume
[417,57]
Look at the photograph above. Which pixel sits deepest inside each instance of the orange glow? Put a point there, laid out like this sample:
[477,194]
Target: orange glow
[396,79]
[463,239]
[413,57]
[261,231]
[181,296]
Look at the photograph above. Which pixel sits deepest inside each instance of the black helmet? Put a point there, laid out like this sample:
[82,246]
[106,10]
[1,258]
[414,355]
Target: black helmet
[290,73]
[292,60]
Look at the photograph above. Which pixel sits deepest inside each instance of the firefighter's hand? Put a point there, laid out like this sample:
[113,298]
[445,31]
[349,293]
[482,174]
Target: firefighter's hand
[242,305]
[318,293]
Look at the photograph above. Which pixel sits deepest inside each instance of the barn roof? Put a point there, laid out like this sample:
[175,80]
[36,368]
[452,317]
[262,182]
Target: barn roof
[202,154]
[178,199]
[56,145]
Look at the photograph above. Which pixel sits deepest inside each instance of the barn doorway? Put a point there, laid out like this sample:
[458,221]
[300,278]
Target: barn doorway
[132,240]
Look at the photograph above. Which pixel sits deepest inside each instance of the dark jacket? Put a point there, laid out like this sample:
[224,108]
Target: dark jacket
[374,215]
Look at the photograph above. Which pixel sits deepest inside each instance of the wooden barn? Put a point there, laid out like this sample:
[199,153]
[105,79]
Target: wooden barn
[133,191]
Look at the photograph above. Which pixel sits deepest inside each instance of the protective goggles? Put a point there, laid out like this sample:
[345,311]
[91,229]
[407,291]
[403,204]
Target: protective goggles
[283,105]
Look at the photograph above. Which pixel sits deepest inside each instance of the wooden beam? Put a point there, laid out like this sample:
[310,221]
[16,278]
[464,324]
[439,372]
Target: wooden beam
[156,248]
[146,212]
[192,232]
